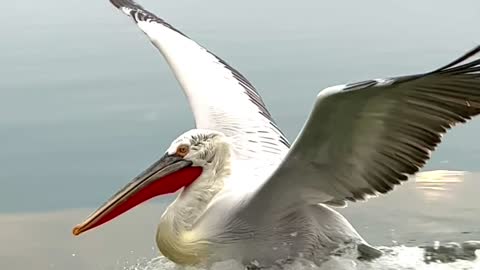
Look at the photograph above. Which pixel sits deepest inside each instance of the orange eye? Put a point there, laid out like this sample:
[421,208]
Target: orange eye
[182,150]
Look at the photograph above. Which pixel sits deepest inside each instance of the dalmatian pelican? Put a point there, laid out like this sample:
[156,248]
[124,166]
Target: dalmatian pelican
[246,194]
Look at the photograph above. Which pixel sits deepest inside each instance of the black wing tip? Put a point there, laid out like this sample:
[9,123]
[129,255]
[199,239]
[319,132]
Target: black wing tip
[115,3]
[466,67]
[138,13]
[125,3]
[463,64]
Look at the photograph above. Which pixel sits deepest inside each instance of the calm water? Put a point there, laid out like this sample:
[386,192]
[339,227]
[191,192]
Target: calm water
[86,103]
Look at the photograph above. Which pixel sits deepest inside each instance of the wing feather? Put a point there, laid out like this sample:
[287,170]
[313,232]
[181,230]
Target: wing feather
[363,139]
[220,96]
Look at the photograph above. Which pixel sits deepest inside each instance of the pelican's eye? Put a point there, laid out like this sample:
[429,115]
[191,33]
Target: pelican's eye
[182,150]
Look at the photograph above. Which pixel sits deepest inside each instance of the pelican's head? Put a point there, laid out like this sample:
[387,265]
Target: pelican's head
[184,161]
[200,146]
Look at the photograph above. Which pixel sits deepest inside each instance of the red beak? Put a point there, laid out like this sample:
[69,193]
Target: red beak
[165,176]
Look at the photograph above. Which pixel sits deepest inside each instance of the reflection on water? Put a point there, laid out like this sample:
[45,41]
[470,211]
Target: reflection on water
[440,177]
[439,184]
[409,216]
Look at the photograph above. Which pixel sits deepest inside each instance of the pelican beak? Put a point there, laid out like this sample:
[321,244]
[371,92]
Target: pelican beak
[165,176]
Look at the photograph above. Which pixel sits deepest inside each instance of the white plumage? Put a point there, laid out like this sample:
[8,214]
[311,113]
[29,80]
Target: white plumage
[258,199]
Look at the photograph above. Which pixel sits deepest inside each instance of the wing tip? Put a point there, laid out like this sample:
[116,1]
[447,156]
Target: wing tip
[115,3]
[140,14]
[126,6]
[468,60]
[124,3]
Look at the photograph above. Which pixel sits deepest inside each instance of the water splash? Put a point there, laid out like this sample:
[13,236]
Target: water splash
[395,258]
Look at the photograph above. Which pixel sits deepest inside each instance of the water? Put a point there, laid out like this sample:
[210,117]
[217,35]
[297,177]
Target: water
[401,258]
[86,103]
[415,214]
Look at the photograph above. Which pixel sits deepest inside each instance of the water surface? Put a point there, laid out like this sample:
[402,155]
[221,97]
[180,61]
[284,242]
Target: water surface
[416,214]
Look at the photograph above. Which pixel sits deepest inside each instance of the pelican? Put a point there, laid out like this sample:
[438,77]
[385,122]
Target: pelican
[246,194]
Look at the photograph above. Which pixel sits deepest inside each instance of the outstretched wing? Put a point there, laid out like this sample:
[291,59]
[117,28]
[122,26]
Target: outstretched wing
[221,98]
[362,139]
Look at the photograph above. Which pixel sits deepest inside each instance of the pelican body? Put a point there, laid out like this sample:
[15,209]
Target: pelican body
[247,194]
